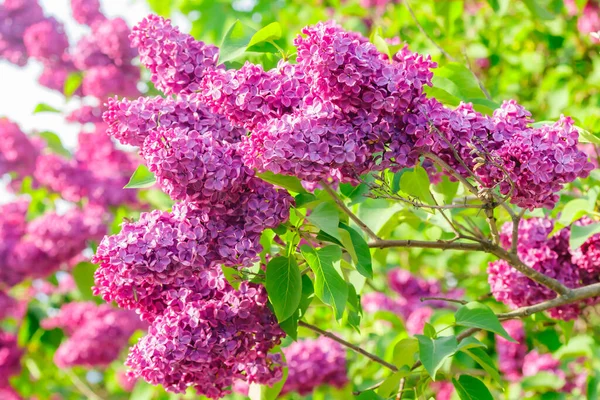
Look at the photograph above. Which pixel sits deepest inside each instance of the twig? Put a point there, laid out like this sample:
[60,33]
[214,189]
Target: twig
[463,302]
[345,209]
[483,89]
[401,389]
[439,244]
[414,17]
[349,345]
[81,386]
[515,231]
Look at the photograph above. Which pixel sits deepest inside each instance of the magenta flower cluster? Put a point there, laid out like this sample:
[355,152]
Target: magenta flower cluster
[17,152]
[96,334]
[516,361]
[407,304]
[39,247]
[550,256]
[314,362]
[104,57]
[10,358]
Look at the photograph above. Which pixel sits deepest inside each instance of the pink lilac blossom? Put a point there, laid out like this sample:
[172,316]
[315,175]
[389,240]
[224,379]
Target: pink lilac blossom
[417,319]
[208,344]
[86,115]
[551,256]
[112,37]
[443,390]
[314,362]
[55,75]
[17,152]
[510,354]
[97,334]
[86,12]
[8,393]
[46,41]
[10,357]
[104,81]
[589,20]
[8,305]
[126,382]
[176,61]
[15,18]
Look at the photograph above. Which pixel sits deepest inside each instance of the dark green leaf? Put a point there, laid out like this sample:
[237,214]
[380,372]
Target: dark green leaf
[470,388]
[416,184]
[83,274]
[353,309]
[494,4]
[290,325]
[284,286]
[303,199]
[43,107]
[433,352]
[330,287]
[290,183]
[54,143]
[579,234]
[235,42]
[141,178]
[327,218]
[483,359]
[477,315]
[362,251]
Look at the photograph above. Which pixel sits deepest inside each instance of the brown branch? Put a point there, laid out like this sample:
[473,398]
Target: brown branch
[349,212]
[440,244]
[463,302]
[349,345]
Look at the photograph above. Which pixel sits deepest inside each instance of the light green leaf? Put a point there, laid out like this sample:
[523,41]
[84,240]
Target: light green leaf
[284,286]
[477,315]
[290,183]
[161,7]
[142,391]
[391,383]
[235,42]
[447,189]
[141,178]
[470,388]
[380,43]
[538,10]
[433,352]
[486,362]
[543,381]
[360,250]
[43,107]
[574,210]
[327,218]
[330,287]
[266,34]
[54,143]
[579,234]
[72,83]
[416,183]
[404,352]
[83,275]
[469,343]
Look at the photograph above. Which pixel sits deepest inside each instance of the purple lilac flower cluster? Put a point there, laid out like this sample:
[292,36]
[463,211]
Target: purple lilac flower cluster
[41,246]
[8,305]
[97,334]
[17,152]
[10,358]
[408,305]
[549,255]
[166,266]
[516,362]
[588,20]
[104,57]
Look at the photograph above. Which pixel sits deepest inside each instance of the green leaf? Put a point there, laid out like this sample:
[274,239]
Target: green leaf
[83,274]
[266,34]
[579,234]
[72,83]
[470,388]
[43,107]
[302,200]
[416,183]
[141,178]
[543,381]
[364,265]
[391,383]
[235,42]
[469,343]
[290,183]
[404,352]
[290,325]
[486,362]
[161,7]
[232,276]
[142,391]
[284,286]
[447,189]
[54,143]
[477,315]
[380,43]
[574,210]
[353,308]
[494,4]
[457,80]
[330,287]
[326,217]
[429,330]
[433,352]
[538,10]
